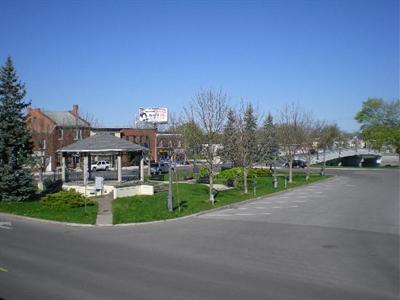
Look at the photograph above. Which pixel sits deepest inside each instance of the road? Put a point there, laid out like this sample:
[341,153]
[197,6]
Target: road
[337,239]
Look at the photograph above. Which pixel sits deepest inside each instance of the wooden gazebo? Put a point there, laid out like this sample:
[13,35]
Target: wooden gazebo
[102,144]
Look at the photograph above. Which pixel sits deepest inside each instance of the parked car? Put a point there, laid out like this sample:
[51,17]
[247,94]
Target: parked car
[297,163]
[100,165]
[159,168]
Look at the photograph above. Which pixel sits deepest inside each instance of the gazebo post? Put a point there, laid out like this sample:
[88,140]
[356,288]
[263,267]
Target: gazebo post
[141,168]
[85,169]
[63,167]
[90,166]
[119,167]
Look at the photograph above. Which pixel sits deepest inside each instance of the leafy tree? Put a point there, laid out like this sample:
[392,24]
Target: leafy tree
[15,139]
[380,123]
[229,138]
[192,137]
[327,136]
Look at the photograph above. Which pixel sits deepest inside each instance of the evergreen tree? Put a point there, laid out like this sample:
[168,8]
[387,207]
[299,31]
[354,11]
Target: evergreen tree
[248,142]
[15,139]
[268,140]
[230,138]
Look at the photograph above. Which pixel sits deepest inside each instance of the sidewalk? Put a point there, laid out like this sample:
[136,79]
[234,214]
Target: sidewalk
[104,213]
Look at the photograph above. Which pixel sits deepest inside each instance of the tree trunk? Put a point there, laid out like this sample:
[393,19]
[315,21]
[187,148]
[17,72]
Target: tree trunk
[324,164]
[40,183]
[290,170]
[246,190]
[211,187]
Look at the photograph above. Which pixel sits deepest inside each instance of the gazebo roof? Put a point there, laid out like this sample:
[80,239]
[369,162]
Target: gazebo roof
[103,143]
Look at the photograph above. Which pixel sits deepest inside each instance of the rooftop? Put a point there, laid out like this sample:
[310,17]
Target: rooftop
[103,143]
[66,119]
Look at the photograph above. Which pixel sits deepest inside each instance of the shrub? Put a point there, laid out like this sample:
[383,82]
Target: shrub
[230,174]
[234,176]
[203,171]
[257,172]
[66,199]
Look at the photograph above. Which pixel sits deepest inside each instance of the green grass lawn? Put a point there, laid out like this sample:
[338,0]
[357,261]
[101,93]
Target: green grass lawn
[35,209]
[192,198]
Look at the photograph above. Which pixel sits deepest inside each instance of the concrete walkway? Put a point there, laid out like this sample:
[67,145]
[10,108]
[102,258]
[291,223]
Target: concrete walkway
[104,213]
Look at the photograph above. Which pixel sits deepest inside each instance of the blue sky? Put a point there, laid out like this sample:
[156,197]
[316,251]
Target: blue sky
[112,57]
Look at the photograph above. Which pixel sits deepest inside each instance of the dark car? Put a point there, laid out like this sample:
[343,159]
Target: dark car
[297,163]
[160,168]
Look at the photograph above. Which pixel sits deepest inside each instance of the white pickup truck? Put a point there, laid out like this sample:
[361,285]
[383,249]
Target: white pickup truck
[100,165]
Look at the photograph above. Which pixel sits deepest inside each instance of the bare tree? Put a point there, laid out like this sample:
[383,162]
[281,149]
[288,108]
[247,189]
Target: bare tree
[292,121]
[91,119]
[209,111]
[42,136]
[312,129]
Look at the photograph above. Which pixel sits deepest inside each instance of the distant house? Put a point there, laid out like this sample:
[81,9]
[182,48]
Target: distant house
[53,130]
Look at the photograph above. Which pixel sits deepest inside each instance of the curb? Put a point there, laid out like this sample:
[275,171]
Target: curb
[232,205]
[45,221]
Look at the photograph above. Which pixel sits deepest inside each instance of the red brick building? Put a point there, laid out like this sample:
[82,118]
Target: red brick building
[52,130]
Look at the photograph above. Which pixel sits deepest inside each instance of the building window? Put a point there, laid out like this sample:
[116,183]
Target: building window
[60,133]
[78,134]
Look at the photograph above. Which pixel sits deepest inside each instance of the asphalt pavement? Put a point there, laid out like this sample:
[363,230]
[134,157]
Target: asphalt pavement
[337,239]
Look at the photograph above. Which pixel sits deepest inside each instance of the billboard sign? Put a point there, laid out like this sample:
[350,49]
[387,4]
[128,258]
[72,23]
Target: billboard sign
[153,115]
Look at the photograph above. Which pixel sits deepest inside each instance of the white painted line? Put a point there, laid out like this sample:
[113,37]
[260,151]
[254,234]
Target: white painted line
[276,207]
[245,214]
[303,197]
[294,206]
[267,213]
[5,225]
[298,201]
[260,207]
[242,207]
[219,215]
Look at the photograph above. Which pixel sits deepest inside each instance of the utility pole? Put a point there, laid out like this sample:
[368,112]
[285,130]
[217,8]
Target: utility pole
[170,196]
[274,171]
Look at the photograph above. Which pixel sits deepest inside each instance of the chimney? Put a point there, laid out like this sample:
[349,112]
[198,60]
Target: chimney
[75,110]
